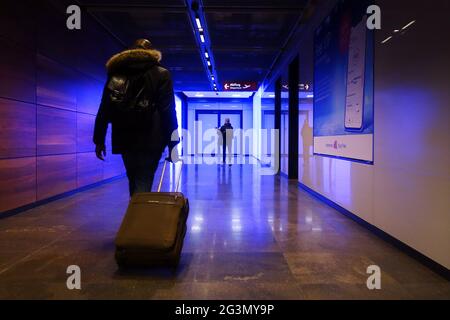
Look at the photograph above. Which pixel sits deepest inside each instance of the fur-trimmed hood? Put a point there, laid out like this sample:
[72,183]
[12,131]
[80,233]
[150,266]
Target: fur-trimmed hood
[133,58]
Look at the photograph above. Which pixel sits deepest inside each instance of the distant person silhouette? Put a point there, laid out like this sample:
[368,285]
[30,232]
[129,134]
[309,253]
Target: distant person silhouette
[307,139]
[138,100]
[227,138]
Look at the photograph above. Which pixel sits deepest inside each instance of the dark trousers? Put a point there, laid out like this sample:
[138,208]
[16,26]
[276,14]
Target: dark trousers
[140,167]
[227,147]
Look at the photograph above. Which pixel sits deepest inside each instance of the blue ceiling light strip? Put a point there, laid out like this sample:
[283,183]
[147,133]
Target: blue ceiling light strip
[199,26]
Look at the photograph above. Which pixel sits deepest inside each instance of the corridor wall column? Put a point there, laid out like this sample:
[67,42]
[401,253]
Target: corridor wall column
[293,119]
[277,118]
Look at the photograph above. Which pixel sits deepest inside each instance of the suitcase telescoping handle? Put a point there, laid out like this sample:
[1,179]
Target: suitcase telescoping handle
[162,176]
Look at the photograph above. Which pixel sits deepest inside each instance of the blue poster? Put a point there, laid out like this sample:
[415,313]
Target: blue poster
[343,84]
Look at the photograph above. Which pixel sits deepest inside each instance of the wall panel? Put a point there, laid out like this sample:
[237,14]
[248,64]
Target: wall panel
[18,21]
[89,169]
[113,166]
[17,183]
[56,131]
[405,193]
[53,38]
[56,85]
[18,129]
[85,129]
[17,72]
[51,82]
[99,46]
[55,175]
[89,94]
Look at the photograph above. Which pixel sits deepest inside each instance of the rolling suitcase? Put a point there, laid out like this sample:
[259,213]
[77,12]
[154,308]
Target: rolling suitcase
[153,228]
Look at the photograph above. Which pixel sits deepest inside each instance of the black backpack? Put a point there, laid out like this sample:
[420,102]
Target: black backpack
[127,93]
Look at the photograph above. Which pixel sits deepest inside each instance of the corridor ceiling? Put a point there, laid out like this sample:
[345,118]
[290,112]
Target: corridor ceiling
[245,37]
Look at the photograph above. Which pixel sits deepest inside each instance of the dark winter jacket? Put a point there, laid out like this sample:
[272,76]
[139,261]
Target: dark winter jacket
[152,131]
[227,132]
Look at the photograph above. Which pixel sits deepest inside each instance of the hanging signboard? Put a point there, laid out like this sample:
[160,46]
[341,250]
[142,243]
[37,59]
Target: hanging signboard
[240,86]
[301,87]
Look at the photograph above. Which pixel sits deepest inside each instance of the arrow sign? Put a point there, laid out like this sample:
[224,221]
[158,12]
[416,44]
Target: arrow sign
[240,86]
[301,87]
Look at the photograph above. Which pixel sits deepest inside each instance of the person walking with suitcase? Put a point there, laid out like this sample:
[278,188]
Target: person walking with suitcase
[138,101]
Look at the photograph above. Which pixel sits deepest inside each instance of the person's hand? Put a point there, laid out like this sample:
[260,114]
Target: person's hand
[100,151]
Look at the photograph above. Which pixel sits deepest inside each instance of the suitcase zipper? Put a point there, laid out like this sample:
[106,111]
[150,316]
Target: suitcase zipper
[161,202]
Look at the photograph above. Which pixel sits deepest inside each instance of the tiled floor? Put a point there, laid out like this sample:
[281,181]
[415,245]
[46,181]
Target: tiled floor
[249,237]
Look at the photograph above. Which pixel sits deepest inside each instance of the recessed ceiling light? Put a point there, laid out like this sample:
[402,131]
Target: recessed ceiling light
[206,54]
[386,40]
[199,24]
[202,38]
[409,24]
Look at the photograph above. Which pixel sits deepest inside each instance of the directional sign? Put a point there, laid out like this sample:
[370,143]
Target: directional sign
[304,86]
[240,86]
[301,87]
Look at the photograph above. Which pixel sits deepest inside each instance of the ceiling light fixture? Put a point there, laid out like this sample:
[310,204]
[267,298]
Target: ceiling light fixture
[199,24]
[409,24]
[386,40]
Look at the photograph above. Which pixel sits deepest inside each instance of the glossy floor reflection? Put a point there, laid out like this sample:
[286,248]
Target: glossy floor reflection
[249,237]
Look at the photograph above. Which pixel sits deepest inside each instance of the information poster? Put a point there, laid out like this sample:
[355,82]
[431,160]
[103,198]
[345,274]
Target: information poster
[343,84]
